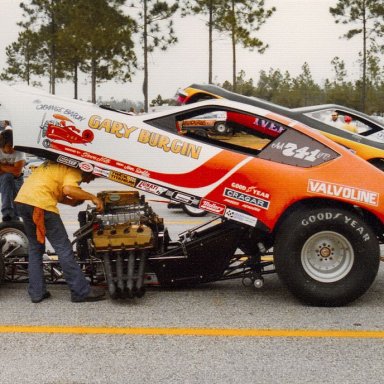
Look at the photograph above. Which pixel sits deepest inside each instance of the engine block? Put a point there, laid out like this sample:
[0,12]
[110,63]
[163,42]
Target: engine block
[123,236]
[127,223]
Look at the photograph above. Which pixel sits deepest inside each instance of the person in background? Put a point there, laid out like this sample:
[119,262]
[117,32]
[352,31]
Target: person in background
[132,111]
[11,174]
[348,126]
[7,124]
[49,184]
[335,121]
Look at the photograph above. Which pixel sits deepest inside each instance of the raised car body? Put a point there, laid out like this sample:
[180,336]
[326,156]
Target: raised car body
[284,185]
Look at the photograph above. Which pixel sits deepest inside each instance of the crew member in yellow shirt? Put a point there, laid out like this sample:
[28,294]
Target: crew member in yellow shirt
[49,184]
[348,124]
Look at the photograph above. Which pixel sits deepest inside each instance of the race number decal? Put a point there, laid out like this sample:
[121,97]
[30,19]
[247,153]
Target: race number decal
[294,148]
[291,149]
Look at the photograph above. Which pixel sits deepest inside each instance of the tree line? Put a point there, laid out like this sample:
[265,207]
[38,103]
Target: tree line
[59,39]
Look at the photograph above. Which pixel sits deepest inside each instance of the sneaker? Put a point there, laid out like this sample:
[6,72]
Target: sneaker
[95,294]
[46,295]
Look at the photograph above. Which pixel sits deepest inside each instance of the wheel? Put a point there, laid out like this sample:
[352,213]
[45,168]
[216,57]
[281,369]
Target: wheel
[192,211]
[88,135]
[326,256]
[13,243]
[16,241]
[201,132]
[221,128]
[46,143]
[2,264]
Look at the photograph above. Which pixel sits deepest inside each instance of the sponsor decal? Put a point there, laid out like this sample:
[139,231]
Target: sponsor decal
[67,161]
[86,167]
[255,191]
[62,110]
[232,202]
[269,125]
[122,178]
[245,198]
[240,217]
[211,206]
[327,216]
[149,187]
[101,172]
[101,159]
[91,156]
[183,198]
[343,191]
[144,136]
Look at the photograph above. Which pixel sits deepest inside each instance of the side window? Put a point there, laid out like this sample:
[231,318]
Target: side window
[230,129]
[347,121]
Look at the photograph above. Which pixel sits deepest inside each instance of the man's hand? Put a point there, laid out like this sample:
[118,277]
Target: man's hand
[77,193]
[98,203]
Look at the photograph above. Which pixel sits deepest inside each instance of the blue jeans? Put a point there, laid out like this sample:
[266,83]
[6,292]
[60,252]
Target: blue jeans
[9,187]
[58,237]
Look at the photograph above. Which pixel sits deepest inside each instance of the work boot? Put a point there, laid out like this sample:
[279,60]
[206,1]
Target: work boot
[46,295]
[95,294]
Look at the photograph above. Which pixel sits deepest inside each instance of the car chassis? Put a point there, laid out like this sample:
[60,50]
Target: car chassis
[128,268]
[277,187]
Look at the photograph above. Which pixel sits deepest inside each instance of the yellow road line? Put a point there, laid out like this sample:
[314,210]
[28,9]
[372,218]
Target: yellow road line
[211,332]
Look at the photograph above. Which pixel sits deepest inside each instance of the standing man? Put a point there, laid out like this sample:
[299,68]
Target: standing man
[49,184]
[11,175]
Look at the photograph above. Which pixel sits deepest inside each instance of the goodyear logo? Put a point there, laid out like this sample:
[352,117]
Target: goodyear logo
[245,198]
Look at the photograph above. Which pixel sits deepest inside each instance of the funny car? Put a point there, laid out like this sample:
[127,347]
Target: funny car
[366,139]
[276,187]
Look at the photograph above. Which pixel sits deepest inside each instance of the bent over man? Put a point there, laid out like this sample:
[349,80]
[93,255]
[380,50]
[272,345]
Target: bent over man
[11,174]
[49,184]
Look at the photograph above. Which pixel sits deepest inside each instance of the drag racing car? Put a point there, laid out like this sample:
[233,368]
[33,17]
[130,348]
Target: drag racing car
[366,140]
[276,187]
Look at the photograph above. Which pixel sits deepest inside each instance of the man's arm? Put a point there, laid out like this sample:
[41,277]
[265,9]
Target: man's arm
[16,169]
[76,193]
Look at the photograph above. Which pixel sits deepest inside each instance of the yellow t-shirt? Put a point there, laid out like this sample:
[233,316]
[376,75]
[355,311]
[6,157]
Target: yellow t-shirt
[350,127]
[44,187]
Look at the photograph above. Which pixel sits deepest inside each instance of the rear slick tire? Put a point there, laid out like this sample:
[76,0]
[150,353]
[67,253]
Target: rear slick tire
[327,257]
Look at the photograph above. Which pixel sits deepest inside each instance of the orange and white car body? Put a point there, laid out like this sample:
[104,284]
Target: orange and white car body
[299,164]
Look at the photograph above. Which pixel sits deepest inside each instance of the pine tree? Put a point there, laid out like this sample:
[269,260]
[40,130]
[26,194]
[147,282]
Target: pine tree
[366,18]
[241,18]
[150,17]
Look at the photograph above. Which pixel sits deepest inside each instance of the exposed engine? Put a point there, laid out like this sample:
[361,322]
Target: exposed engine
[128,248]
[123,237]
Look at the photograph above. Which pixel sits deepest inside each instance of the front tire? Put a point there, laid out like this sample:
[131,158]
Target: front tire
[13,243]
[326,256]
[221,128]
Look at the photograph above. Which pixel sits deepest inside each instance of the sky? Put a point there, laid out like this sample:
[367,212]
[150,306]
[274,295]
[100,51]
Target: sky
[299,31]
